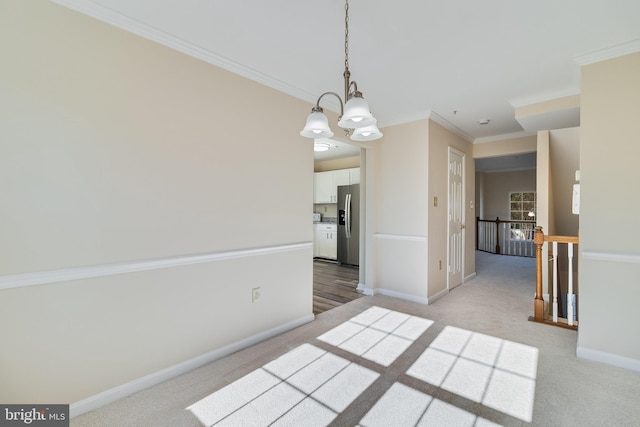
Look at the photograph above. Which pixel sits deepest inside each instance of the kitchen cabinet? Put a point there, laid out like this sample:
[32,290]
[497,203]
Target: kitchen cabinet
[325,184]
[354,176]
[322,186]
[325,243]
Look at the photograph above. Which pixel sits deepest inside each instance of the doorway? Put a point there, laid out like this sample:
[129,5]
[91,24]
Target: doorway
[336,283]
[456,224]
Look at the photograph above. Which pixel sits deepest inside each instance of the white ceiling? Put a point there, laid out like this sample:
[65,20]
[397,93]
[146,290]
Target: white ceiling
[454,61]
[339,149]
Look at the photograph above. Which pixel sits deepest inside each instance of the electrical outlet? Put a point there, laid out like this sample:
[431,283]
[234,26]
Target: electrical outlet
[440,264]
[255,294]
[435,202]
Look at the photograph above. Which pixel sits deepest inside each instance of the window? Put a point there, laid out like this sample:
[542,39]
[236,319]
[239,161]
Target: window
[522,207]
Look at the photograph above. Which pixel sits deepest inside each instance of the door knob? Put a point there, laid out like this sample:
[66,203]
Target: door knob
[462,227]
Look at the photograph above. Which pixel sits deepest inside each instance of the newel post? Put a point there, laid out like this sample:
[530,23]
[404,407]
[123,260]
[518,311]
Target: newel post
[538,307]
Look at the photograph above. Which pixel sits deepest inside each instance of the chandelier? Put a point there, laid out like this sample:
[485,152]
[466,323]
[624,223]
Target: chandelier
[355,117]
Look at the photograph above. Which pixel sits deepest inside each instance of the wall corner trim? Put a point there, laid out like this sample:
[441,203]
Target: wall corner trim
[124,390]
[365,290]
[608,358]
[437,296]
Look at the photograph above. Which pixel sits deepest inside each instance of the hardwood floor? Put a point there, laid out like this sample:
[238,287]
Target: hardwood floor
[333,285]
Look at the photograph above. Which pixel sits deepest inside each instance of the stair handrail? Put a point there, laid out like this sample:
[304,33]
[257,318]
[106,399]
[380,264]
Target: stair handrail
[539,238]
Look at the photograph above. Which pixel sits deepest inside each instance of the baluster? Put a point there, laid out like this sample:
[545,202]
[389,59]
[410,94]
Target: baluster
[570,307]
[498,235]
[555,282]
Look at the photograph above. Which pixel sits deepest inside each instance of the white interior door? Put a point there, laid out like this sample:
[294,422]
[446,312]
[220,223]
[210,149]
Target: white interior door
[456,218]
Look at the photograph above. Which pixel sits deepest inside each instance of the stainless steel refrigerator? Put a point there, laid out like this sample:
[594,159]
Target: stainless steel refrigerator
[349,224]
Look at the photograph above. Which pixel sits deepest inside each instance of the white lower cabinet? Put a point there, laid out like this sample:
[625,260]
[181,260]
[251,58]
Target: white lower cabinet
[325,243]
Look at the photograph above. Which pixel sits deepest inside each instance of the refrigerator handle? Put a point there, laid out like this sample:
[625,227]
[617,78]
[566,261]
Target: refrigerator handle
[347,206]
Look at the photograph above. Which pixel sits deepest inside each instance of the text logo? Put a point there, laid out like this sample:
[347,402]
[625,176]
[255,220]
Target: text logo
[34,415]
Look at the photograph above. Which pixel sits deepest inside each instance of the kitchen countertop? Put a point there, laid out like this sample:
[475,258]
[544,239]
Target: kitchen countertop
[328,220]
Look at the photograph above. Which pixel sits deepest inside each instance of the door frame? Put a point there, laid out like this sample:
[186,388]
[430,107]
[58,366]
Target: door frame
[462,215]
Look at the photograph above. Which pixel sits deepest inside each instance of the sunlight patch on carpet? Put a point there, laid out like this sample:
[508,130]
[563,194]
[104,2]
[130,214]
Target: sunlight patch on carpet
[311,386]
[306,383]
[404,406]
[377,334]
[498,373]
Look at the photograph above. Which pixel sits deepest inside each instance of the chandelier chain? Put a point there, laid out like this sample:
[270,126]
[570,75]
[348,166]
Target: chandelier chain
[346,35]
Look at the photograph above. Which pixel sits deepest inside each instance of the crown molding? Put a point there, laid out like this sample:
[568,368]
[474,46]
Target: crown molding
[449,126]
[609,53]
[427,115]
[523,102]
[109,16]
[405,119]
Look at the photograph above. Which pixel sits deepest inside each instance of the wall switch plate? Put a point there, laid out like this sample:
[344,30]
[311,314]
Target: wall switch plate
[255,294]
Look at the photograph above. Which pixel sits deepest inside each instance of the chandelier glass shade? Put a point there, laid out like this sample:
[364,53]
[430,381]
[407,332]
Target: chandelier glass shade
[317,125]
[367,133]
[355,115]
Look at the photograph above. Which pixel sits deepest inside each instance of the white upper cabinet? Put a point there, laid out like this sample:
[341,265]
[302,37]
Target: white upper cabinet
[354,176]
[322,184]
[326,184]
[341,177]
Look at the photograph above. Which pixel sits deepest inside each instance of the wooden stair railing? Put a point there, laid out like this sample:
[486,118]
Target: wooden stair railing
[505,237]
[538,308]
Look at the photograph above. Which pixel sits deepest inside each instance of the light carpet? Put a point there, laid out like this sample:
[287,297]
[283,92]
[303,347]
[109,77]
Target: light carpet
[471,358]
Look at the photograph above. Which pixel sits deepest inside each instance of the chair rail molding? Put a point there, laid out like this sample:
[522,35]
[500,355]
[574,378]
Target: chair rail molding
[78,273]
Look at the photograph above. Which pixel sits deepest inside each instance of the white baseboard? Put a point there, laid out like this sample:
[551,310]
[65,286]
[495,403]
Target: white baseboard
[365,290]
[437,296]
[124,390]
[403,296]
[469,277]
[608,358]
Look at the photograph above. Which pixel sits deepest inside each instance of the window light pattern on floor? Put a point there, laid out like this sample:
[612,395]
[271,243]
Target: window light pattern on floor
[498,373]
[306,386]
[377,334]
[310,386]
[404,406]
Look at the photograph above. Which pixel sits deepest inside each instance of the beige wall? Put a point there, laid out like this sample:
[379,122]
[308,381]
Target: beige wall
[440,139]
[410,235]
[564,162]
[505,147]
[609,232]
[119,150]
[496,187]
[335,164]
[401,185]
